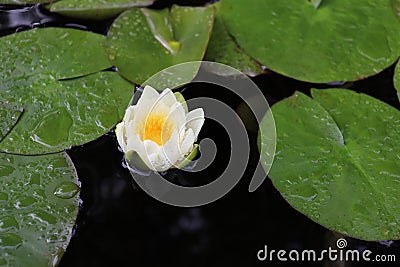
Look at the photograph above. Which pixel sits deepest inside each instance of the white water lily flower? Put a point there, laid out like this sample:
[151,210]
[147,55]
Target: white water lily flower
[159,129]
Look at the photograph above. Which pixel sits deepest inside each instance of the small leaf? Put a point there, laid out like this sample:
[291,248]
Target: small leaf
[95,10]
[35,224]
[142,42]
[337,161]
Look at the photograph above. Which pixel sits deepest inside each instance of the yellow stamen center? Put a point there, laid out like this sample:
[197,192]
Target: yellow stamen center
[157,129]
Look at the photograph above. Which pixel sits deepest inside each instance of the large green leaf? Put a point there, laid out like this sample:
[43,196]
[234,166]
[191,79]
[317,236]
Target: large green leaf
[59,114]
[341,40]
[39,204]
[23,2]
[97,9]
[337,161]
[222,48]
[9,116]
[142,42]
[55,53]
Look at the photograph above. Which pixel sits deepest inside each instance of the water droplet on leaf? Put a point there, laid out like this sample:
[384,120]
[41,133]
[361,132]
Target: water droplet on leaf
[66,190]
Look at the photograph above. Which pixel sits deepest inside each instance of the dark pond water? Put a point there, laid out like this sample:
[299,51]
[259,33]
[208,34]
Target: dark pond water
[120,225]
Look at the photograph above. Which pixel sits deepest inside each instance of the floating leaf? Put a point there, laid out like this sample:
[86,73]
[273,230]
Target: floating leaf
[35,222]
[59,114]
[342,40]
[97,10]
[23,2]
[142,42]
[337,161]
[57,53]
[222,48]
[9,116]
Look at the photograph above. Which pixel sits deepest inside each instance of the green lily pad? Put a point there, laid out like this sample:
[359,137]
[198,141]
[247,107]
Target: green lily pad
[60,114]
[396,80]
[54,53]
[23,2]
[36,222]
[222,48]
[142,42]
[341,40]
[337,161]
[9,116]
[97,9]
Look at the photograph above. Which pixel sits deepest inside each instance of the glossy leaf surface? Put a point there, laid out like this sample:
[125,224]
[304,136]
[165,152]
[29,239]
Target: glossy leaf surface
[341,40]
[337,161]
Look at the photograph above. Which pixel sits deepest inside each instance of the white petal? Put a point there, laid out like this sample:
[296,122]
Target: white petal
[167,98]
[149,94]
[141,113]
[145,150]
[130,129]
[134,143]
[187,143]
[147,107]
[129,114]
[121,135]
[177,115]
[159,162]
[151,147]
[171,148]
[195,120]
[161,158]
